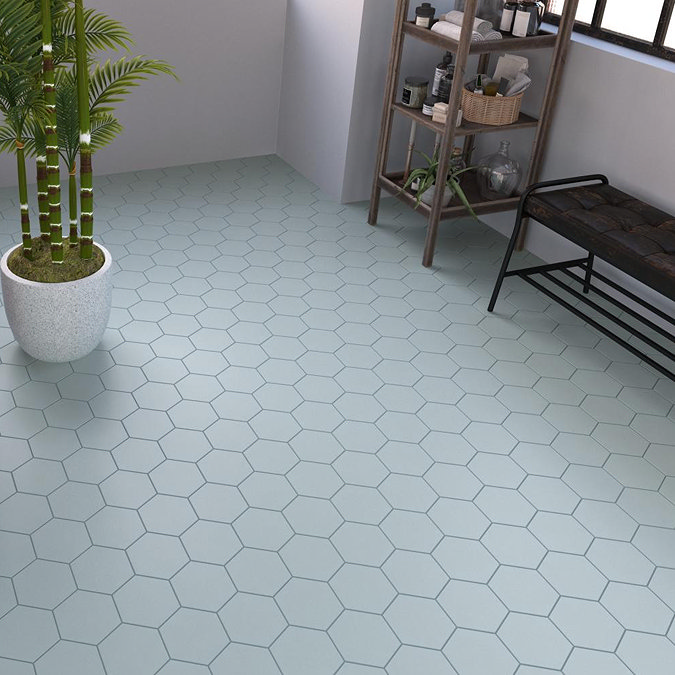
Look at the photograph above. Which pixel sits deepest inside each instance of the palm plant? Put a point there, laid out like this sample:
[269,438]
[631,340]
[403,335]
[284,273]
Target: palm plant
[100,32]
[97,94]
[73,112]
[109,83]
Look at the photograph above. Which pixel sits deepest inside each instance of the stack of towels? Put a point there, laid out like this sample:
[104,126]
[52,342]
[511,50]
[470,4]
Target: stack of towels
[450,25]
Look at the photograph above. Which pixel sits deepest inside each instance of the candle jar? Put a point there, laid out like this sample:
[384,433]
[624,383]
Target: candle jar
[414,92]
[424,15]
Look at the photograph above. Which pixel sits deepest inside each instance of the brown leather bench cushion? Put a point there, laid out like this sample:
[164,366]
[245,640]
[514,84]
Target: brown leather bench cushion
[626,232]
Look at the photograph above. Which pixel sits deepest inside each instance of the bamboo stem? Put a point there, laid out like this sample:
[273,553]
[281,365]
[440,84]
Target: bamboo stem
[43,196]
[51,135]
[86,181]
[72,204]
[23,199]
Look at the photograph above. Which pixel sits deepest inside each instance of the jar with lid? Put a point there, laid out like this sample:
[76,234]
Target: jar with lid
[424,15]
[414,92]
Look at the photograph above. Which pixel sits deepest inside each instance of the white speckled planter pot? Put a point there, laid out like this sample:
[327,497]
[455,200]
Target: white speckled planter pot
[428,196]
[58,322]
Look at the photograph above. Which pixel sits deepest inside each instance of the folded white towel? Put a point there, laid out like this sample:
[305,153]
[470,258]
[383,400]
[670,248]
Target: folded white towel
[492,35]
[479,25]
[454,31]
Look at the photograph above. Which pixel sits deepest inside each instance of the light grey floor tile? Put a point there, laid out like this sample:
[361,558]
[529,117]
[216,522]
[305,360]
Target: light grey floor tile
[298,452]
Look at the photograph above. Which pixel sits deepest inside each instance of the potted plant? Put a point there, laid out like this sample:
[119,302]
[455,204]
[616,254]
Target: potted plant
[423,182]
[57,103]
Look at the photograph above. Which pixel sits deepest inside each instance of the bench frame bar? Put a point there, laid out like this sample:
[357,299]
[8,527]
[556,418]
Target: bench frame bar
[586,282]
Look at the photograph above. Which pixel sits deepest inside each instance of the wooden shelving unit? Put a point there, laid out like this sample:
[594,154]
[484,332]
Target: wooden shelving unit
[448,133]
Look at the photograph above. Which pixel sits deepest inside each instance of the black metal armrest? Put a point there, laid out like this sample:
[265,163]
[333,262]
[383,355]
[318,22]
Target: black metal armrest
[558,182]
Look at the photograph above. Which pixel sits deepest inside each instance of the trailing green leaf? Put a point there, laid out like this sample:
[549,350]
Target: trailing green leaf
[111,82]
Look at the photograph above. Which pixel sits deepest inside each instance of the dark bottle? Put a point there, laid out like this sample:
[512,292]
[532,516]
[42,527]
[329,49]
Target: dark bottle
[441,70]
[445,85]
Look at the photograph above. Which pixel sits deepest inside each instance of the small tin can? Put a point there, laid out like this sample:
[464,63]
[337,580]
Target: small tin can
[428,107]
[415,92]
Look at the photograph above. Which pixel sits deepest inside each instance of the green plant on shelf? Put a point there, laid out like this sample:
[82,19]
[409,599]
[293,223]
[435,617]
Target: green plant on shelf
[426,176]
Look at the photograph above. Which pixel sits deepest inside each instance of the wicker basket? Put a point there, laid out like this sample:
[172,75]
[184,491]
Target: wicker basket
[492,110]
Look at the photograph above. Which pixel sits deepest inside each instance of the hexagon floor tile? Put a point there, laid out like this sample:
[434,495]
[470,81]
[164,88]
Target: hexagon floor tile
[298,452]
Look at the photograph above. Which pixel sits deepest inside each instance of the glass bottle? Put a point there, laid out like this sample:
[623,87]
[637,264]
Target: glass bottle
[498,175]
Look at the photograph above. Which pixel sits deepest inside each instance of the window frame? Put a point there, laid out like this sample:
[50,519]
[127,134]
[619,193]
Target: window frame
[594,29]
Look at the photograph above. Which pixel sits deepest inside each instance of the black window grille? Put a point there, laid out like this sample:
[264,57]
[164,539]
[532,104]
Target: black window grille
[646,26]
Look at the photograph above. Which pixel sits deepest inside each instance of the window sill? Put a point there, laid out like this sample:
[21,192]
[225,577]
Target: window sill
[633,55]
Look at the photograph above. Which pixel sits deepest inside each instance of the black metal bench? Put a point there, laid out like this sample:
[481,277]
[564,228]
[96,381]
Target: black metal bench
[626,232]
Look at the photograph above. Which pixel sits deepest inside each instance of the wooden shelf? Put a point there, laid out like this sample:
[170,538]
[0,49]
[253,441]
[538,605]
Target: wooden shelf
[507,44]
[467,128]
[393,183]
[447,134]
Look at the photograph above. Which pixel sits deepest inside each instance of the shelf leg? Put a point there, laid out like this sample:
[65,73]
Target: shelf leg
[374,205]
[448,138]
[558,59]
[411,149]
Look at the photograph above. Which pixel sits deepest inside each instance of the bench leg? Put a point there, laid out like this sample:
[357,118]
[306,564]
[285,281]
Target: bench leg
[589,273]
[507,256]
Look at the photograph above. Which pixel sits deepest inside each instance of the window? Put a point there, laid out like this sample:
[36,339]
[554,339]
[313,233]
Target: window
[644,25]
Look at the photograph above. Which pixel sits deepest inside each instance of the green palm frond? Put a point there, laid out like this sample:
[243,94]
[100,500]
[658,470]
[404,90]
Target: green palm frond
[104,126]
[38,138]
[20,37]
[7,139]
[111,82]
[20,101]
[102,33]
[104,129]
[67,121]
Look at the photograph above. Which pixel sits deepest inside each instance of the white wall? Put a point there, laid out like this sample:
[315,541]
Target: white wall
[320,57]
[369,83]
[335,65]
[228,55]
